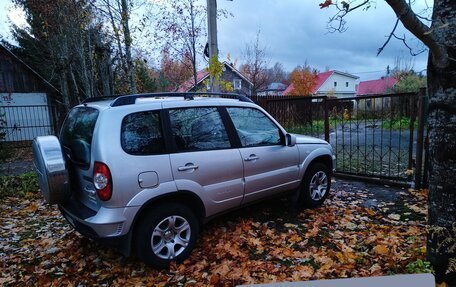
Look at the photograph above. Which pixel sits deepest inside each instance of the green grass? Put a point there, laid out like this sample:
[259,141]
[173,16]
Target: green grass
[398,123]
[18,185]
[314,128]
[358,162]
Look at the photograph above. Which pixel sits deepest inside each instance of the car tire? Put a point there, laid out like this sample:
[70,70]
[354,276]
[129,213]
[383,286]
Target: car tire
[315,185]
[167,232]
[51,169]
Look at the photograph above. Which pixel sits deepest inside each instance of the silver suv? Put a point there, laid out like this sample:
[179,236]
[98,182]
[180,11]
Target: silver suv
[145,171]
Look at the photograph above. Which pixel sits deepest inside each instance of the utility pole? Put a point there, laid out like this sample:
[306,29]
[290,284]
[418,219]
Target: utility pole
[213,45]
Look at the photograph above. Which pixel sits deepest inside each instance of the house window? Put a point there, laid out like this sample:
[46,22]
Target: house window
[237,84]
[346,84]
[335,84]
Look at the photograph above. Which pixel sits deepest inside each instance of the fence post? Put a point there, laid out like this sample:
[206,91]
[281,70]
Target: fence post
[420,138]
[412,116]
[325,107]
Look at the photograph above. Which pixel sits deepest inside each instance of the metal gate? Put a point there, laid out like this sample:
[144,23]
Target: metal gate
[375,137]
[19,125]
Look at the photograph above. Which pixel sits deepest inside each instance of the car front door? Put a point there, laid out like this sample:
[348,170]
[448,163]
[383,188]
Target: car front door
[270,166]
[205,161]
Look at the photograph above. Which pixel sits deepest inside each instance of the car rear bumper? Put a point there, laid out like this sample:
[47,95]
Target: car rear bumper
[102,224]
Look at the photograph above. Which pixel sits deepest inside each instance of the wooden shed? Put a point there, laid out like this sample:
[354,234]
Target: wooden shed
[29,105]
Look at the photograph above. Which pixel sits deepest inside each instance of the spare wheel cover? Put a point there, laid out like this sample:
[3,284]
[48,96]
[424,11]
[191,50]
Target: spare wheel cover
[50,166]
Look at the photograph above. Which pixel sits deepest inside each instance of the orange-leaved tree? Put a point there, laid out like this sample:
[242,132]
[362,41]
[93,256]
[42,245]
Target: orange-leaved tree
[304,81]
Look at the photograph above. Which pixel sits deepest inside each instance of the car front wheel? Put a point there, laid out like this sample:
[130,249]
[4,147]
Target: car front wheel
[166,233]
[315,185]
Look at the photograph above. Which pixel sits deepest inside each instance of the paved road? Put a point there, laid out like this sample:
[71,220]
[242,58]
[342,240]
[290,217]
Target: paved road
[362,135]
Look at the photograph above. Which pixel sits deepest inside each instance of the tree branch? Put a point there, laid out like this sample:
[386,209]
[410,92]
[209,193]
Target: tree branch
[389,38]
[406,45]
[391,35]
[410,21]
[339,17]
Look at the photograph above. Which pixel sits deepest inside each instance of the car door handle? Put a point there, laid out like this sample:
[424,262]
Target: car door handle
[251,157]
[187,167]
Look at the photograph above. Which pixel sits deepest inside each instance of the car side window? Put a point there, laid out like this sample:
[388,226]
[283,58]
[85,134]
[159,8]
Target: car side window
[196,129]
[254,128]
[141,134]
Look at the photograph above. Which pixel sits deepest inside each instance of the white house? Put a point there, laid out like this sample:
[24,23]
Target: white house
[333,83]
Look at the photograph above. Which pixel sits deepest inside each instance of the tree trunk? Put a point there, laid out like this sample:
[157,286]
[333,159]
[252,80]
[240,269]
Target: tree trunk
[64,88]
[104,72]
[128,41]
[193,44]
[75,86]
[63,71]
[441,247]
[116,35]
[83,66]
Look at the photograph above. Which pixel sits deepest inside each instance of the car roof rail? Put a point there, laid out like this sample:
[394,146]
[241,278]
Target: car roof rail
[98,99]
[131,99]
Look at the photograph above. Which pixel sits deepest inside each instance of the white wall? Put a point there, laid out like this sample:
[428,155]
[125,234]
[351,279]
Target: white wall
[26,115]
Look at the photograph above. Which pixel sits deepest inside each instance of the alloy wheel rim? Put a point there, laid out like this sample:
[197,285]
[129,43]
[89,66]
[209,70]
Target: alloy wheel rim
[318,185]
[170,237]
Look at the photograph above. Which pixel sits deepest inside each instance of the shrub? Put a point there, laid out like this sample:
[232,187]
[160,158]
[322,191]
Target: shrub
[419,266]
[18,185]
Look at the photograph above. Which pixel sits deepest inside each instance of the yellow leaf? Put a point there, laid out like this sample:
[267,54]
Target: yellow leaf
[327,263]
[31,208]
[381,249]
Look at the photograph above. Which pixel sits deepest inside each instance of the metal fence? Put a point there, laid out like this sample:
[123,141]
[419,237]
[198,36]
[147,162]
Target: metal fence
[381,136]
[19,125]
[377,137]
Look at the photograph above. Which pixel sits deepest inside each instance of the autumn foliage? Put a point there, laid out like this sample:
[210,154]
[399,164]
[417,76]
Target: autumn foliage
[325,4]
[175,71]
[271,242]
[304,81]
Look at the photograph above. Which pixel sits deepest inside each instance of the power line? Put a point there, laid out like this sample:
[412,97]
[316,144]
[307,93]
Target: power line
[368,72]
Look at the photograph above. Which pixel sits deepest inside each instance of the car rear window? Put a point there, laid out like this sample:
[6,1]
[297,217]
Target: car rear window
[79,125]
[77,132]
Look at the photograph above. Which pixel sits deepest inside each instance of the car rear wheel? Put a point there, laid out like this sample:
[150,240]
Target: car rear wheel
[315,185]
[51,169]
[166,233]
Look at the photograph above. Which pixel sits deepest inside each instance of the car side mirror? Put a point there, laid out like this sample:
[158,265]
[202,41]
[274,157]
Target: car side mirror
[291,140]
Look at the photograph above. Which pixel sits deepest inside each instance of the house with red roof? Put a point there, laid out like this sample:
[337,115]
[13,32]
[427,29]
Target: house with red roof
[230,74]
[381,86]
[384,85]
[334,83]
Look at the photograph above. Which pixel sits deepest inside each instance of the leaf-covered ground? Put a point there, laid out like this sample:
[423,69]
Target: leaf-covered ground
[262,243]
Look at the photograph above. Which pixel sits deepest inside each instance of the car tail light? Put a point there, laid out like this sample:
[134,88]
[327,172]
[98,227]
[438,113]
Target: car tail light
[102,180]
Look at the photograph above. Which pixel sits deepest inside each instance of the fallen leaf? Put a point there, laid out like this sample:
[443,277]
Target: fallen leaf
[381,249]
[394,216]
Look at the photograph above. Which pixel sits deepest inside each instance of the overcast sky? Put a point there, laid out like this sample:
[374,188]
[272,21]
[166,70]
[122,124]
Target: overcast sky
[294,31]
